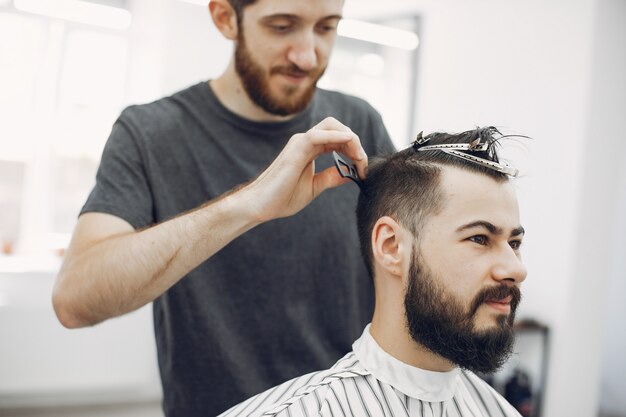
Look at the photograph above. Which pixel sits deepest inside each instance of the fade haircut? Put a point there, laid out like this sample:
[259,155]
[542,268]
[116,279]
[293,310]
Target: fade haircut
[406,185]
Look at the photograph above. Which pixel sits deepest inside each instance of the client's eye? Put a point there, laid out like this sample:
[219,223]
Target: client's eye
[480,239]
[515,244]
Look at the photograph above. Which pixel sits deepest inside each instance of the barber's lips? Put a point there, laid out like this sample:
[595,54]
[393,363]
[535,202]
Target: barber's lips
[503,305]
[296,78]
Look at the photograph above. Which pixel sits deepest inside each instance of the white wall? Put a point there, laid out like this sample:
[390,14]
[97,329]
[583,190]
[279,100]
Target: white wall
[191,55]
[44,364]
[607,145]
[173,45]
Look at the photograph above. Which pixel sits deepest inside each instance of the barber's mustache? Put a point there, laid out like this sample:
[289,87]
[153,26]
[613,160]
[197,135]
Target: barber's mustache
[498,292]
[293,71]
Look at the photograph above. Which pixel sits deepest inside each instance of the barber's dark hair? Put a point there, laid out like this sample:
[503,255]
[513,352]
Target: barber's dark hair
[238,6]
[405,185]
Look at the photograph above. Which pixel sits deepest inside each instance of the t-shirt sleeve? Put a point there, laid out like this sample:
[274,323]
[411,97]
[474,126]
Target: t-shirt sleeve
[122,187]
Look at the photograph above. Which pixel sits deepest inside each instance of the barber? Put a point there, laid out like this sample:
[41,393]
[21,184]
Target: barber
[238,274]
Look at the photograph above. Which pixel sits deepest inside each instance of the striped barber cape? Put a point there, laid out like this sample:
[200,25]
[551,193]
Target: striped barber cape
[368,382]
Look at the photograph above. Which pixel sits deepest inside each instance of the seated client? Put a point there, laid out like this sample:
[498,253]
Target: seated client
[440,233]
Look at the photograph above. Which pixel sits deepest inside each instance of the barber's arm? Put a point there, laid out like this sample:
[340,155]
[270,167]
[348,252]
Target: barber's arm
[111,269]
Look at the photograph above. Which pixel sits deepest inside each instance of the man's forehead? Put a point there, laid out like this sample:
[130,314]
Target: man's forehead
[300,8]
[470,197]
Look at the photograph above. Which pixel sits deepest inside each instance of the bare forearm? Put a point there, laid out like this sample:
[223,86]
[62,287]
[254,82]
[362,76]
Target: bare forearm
[110,269]
[124,272]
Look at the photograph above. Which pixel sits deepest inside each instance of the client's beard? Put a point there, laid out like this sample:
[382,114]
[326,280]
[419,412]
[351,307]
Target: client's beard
[440,322]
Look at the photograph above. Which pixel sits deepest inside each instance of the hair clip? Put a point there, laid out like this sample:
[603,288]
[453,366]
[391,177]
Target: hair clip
[347,170]
[475,146]
[496,166]
[419,141]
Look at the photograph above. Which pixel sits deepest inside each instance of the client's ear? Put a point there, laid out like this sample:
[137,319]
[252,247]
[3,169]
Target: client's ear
[391,246]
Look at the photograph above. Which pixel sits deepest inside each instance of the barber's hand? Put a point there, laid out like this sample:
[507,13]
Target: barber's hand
[290,182]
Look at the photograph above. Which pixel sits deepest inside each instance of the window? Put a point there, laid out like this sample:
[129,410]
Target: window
[378,63]
[63,85]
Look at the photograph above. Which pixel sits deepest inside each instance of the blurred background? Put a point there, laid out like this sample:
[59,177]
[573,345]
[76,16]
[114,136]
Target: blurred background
[552,70]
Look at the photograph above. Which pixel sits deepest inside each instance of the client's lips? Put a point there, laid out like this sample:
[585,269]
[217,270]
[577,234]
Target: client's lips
[506,300]
[503,305]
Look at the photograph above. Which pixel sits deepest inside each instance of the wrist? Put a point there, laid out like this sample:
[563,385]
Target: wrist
[241,206]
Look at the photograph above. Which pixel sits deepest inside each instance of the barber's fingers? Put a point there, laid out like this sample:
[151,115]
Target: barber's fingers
[328,136]
[330,123]
[326,179]
[290,182]
[341,139]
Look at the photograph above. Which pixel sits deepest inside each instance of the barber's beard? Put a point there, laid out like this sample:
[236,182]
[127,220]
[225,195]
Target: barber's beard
[255,81]
[444,325]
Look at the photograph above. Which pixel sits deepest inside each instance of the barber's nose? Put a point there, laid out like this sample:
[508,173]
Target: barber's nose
[303,54]
[509,267]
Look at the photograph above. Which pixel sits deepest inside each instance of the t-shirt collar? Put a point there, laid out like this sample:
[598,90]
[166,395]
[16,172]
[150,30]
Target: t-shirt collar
[415,382]
[256,126]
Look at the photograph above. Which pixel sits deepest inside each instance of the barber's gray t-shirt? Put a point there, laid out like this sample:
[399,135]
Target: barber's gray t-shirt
[286,298]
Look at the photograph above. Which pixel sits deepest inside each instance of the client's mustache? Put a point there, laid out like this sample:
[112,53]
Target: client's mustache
[498,292]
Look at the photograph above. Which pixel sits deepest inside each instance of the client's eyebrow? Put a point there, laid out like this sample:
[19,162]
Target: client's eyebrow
[518,231]
[494,230]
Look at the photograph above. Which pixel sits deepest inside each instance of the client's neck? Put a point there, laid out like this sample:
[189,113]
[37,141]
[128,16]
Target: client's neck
[390,331]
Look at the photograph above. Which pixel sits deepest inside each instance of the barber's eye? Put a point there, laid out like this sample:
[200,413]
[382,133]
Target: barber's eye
[515,244]
[280,28]
[480,239]
[326,28]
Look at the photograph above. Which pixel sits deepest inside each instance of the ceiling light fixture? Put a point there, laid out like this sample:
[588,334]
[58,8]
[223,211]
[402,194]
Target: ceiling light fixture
[198,2]
[78,11]
[382,35]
